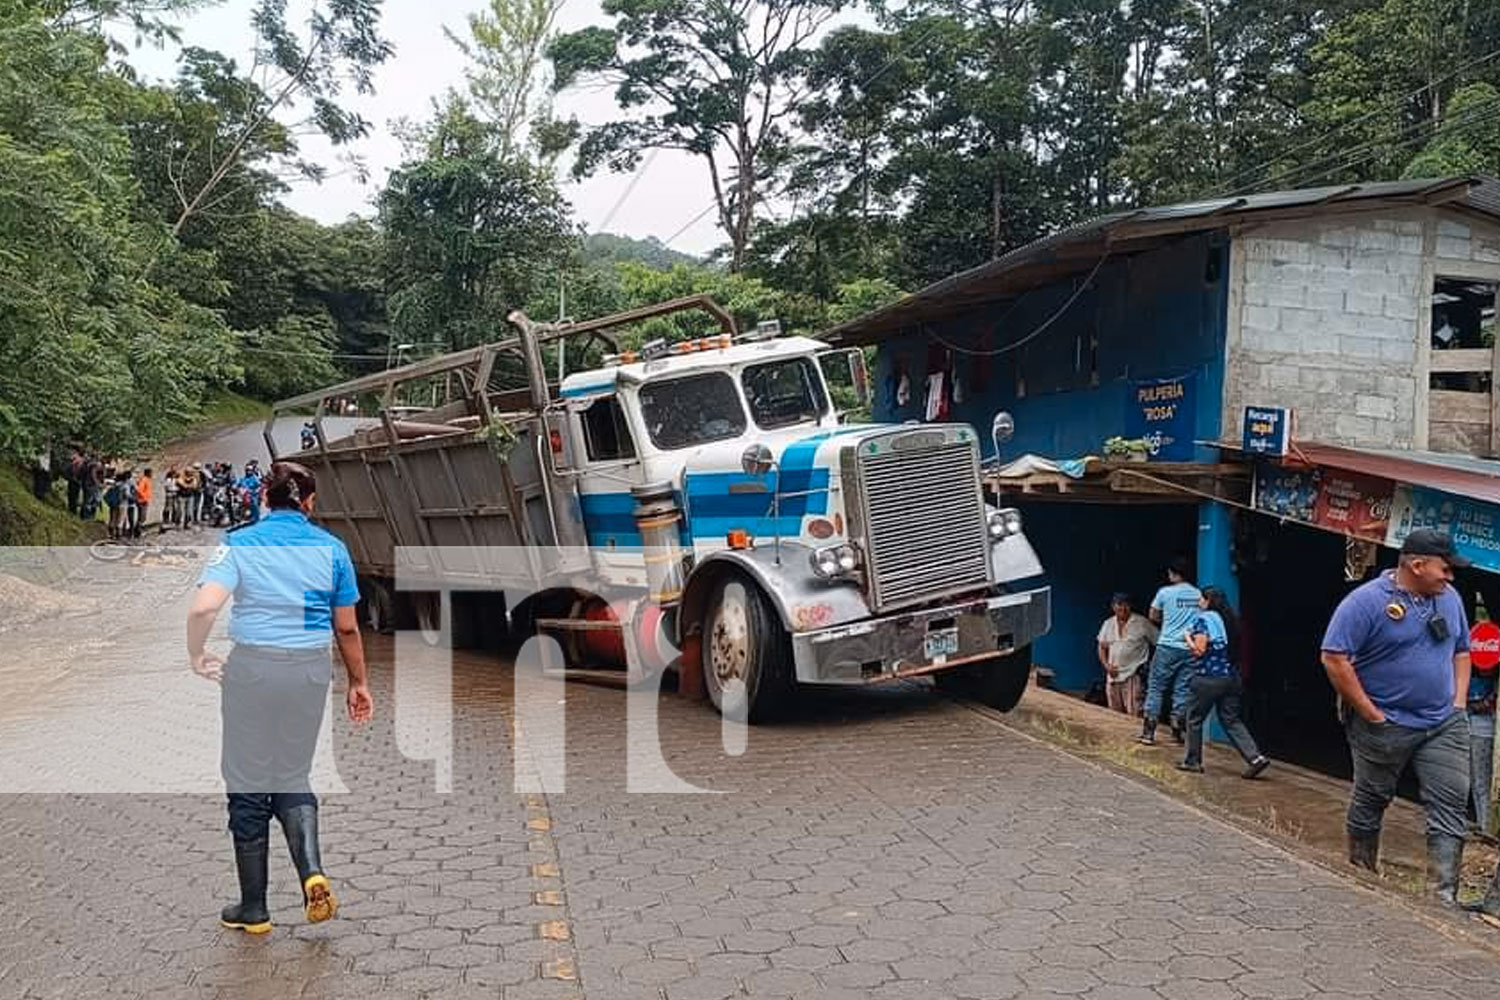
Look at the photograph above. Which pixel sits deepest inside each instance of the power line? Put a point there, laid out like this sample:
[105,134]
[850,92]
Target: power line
[629,189]
[691,222]
[1017,345]
[1267,168]
[1420,132]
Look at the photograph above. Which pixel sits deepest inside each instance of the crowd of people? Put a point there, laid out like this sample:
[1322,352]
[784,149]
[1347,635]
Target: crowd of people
[191,495]
[1396,652]
[1189,648]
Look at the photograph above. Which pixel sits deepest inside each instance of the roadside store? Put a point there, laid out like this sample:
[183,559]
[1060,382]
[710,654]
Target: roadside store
[1129,349]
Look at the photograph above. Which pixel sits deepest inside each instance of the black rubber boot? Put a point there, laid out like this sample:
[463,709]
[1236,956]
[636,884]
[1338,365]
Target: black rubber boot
[1148,733]
[1179,730]
[251,860]
[1364,851]
[300,824]
[1445,857]
[1489,903]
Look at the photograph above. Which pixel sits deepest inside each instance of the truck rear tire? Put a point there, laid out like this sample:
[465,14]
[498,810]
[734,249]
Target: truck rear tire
[747,653]
[998,682]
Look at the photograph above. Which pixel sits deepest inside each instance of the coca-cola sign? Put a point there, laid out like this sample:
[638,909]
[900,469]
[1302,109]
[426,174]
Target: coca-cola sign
[1484,646]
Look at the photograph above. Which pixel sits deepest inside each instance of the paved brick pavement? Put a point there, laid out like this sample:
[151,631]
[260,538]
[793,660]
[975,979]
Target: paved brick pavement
[884,845]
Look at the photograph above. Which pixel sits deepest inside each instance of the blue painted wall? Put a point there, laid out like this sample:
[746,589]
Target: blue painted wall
[1159,314]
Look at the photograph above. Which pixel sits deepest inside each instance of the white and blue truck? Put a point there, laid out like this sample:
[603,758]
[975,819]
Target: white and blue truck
[699,505]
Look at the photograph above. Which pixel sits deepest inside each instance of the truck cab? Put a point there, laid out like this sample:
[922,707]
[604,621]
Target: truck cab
[807,550]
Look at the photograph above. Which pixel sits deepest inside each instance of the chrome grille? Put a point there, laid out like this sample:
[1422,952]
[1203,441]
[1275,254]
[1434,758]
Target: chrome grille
[924,528]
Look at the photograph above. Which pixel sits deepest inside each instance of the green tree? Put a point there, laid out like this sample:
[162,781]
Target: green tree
[87,346]
[1467,141]
[341,49]
[719,80]
[508,80]
[470,233]
[1382,76]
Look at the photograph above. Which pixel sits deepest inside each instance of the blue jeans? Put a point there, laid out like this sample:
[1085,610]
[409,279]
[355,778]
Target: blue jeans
[250,814]
[1481,767]
[1169,669]
[1439,756]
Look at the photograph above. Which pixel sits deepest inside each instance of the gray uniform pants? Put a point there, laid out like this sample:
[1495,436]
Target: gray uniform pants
[1439,756]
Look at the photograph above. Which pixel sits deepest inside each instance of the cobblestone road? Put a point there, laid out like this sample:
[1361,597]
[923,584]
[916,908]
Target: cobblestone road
[886,845]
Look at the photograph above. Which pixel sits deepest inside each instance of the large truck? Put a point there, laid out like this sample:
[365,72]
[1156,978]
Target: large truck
[699,506]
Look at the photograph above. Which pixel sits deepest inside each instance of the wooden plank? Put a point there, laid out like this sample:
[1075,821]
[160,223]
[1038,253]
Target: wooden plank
[1459,439]
[1474,359]
[1447,406]
[1494,402]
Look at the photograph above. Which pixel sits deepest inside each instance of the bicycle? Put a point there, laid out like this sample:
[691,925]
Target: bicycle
[114,550]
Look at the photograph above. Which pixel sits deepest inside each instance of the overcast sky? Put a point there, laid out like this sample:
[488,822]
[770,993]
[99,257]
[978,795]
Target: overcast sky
[671,190]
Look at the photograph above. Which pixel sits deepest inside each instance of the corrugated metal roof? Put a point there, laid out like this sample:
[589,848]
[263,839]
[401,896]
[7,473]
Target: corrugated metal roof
[1463,475]
[1113,233]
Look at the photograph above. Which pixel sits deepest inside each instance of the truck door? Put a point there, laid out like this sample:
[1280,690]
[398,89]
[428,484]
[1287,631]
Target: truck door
[609,465]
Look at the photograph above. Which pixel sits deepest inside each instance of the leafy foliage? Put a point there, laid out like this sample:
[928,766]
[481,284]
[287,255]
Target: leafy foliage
[471,234]
[719,80]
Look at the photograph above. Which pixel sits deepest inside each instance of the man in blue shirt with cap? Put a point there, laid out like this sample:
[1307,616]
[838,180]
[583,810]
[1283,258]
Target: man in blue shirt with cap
[1397,653]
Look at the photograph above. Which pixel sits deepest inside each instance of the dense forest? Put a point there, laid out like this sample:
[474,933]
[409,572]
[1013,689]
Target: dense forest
[147,258]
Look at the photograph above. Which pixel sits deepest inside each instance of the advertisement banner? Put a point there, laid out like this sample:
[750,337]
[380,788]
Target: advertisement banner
[1354,504]
[1162,412]
[1289,493]
[1267,430]
[1474,525]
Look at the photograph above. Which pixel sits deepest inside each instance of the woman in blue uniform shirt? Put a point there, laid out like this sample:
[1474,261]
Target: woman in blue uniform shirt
[293,586]
[1213,640]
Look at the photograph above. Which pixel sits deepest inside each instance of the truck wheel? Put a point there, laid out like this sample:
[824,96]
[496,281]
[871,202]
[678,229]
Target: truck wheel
[998,682]
[747,654]
[428,607]
[379,604]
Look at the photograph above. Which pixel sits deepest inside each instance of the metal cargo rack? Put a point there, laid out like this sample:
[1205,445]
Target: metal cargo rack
[447,482]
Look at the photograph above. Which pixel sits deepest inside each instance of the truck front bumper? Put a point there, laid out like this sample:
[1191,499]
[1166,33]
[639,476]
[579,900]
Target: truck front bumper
[911,643]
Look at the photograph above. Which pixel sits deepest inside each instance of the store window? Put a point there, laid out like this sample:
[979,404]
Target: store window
[1463,318]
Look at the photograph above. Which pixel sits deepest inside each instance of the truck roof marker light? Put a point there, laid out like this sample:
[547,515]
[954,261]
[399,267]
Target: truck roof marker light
[739,538]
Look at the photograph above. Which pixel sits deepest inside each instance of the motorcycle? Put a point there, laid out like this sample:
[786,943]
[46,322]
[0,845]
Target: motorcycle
[216,504]
[240,504]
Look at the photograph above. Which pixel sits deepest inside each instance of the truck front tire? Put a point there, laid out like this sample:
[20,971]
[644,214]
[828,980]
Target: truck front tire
[998,682]
[747,653]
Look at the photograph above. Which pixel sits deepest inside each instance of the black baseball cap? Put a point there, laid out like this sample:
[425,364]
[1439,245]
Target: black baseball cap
[1432,542]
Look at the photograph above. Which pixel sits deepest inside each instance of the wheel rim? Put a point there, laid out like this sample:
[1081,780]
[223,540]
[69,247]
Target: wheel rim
[729,638]
[429,609]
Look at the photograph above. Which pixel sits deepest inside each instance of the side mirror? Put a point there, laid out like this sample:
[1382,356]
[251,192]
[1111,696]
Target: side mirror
[1002,430]
[846,370]
[757,460]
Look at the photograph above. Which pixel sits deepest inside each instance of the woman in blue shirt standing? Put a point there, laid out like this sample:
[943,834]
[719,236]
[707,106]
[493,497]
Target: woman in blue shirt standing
[1213,639]
[294,588]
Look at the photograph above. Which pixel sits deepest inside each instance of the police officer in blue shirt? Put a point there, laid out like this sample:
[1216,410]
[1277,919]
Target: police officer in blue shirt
[1397,653]
[293,586]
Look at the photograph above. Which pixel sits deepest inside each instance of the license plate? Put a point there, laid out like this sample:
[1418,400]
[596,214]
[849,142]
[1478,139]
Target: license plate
[941,644]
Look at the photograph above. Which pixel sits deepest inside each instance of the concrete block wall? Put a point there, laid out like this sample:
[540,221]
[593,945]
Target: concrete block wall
[1330,316]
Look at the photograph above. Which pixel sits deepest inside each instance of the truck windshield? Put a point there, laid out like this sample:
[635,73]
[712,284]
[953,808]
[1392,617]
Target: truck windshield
[696,409]
[782,393]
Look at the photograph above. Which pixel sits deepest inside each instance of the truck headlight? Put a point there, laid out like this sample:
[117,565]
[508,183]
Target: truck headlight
[834,561]
[1004,523]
